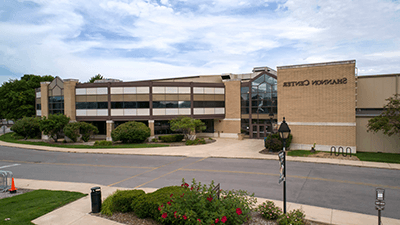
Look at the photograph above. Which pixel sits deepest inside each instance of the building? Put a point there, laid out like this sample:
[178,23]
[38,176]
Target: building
[323,103]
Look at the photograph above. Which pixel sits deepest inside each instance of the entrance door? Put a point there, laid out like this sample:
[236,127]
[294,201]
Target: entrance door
[259,130]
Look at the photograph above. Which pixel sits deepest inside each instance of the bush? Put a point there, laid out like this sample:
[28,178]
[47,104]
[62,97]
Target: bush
[27,127]
[103,143]
[87,130]
[71,130]
[294,217]
[172,138]
[120,201]
[135,132]
[274,142]
[196,141]
[146,206]
[269,210]
[200,204]
[154,140]
[53,125]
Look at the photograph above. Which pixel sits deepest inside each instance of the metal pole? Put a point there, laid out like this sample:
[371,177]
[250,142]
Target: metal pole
[379,217]
[284,175]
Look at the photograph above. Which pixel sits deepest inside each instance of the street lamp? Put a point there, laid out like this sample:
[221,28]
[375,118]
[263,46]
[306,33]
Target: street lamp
[284,132]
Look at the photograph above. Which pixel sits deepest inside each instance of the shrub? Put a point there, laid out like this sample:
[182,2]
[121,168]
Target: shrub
[27,127]
[274,142]
[87,130]
[294,217]
[53,125]
[120,201]
[71,130]
[200,204]
[269,210]
[135,132]
[196,141]
[147,205]
[172,138]
[154,140]
[103,143]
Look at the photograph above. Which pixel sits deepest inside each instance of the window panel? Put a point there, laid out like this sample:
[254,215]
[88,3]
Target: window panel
[130,105]
[143,105]
[171,104]
[80,105]
[117,105]
[102,105]
[184,104]
[244,90]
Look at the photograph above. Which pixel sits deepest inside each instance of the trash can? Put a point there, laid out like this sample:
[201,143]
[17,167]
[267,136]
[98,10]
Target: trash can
[96,199]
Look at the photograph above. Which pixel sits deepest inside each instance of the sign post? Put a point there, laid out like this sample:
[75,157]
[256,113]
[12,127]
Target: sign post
[284,133]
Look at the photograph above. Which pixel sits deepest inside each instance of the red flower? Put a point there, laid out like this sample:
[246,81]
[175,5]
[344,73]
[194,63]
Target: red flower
[169,203]
[175,214]
[164,215]
[223,219]
[238,211]
[210,198]
[182,195]
[199,220]
[184,217]
[191,188]
[216,220]
[171,195]
[185,184]
[159,209]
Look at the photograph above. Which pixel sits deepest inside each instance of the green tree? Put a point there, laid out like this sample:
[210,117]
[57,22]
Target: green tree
[87,130]
[27,127]
[71,130]
[187,126]
[389,120]
[53,125]
[97,77]
[17,97]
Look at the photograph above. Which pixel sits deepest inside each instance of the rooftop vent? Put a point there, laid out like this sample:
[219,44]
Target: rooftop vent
[107,80]
[261,69]
[226,76]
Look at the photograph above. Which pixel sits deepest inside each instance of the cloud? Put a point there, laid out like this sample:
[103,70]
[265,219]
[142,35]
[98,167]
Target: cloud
[137,39]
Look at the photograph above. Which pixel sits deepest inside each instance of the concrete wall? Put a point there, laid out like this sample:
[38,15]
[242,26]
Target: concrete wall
[230,125]
[318,101]
[372,91]
[69,99]
[375,142]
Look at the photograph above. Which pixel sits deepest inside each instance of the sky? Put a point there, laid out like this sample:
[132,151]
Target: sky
[152,39]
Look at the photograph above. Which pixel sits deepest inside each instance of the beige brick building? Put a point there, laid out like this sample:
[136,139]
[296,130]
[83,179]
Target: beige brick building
[323,103]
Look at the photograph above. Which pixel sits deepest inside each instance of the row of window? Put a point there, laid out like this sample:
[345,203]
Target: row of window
[145,105]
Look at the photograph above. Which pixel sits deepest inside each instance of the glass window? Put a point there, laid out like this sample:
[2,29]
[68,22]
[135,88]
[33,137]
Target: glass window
[38,106]
[158,105]
[91,105]
[80,105]
[102,105]
[171,104]
[117,105]
[198,104]
[244,90]
[130,105]
[184,104]
[143,105]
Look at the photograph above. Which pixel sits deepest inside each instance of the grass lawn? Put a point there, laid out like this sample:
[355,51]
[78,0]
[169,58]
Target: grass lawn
[379,157]
[363,156]
[303,153]
[24,208]
[9,138]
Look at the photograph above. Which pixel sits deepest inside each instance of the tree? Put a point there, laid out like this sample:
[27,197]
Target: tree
[187,125]
[87,130]
[17,97]
[27,127]
[53,125]
[97,77]
[389,120]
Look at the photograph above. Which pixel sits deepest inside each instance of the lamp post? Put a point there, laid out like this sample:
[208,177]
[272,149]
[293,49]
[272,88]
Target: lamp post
[284,132]
[380,202]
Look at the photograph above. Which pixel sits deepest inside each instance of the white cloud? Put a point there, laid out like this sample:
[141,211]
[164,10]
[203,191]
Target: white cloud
[179,38]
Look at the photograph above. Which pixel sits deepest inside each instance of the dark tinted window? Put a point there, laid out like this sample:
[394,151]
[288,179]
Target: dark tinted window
[142,105]
[184,104]
[81,105]
[117,105]
[102,105]
[130,105]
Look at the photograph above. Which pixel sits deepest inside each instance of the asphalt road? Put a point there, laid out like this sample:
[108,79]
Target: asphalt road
[339,187]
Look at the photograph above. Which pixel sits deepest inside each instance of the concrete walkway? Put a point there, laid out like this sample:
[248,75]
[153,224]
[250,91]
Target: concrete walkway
[222,148]
[78,212]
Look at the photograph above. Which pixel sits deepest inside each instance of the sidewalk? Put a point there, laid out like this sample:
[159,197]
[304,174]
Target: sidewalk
[222,148]
[78,212]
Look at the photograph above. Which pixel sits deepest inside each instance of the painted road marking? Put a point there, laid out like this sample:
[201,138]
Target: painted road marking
[9,166]
[299,177]
[71,164]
